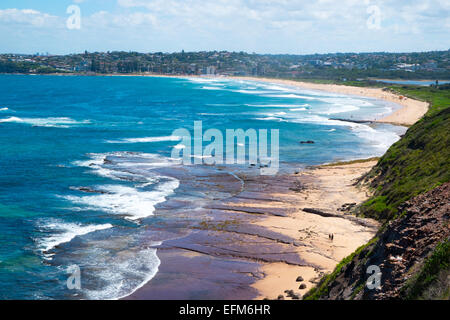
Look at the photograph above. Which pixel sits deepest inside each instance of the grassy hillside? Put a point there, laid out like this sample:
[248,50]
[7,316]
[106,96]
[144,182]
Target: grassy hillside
[412,252]
[429,282]
[418,162]
[24,67]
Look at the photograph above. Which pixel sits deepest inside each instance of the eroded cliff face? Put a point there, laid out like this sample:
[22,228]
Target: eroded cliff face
[412,253]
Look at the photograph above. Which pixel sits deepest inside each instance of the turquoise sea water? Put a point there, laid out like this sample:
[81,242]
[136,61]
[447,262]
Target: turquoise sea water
[85,163]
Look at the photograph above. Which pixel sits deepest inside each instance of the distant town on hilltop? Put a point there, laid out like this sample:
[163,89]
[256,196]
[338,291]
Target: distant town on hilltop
[338,66]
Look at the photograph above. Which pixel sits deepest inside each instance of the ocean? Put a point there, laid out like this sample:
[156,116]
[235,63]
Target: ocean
[86,173]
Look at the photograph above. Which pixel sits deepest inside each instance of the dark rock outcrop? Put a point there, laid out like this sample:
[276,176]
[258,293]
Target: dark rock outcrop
[402,248]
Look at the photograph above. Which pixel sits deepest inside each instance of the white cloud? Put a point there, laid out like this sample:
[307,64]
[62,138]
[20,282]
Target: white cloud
[26,17]
[106,19]
[325,12]
[287,14]
[276,26]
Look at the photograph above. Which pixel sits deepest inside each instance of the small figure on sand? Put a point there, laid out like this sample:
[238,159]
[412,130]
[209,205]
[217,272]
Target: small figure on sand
[331,236]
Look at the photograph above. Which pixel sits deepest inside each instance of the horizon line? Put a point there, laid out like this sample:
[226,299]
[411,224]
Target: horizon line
[245,52]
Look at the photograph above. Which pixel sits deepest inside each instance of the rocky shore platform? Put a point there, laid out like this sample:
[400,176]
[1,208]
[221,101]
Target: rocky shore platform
[250,236]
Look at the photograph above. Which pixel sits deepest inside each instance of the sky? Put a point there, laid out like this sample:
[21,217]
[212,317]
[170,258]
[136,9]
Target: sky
[261,26]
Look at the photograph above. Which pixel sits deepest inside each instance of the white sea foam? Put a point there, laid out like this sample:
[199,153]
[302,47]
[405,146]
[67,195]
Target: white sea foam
[4,109]
[338,108]
[131,202]
[270,119]
[277,88]
[146,139]
[129,271]
[95,160]
[212,81]
[305,105]
[325,104]
[290,95]
[275,114]
[331,98]
[212,88]
[380,139]
[11,119]
[95,163]
[61,122]
[345,100]
[134,202]
[65,232]
[121,170]
[250,91]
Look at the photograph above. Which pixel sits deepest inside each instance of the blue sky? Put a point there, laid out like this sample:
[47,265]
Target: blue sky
[262,26]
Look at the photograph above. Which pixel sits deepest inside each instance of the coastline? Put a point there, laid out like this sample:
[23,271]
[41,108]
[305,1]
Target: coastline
[329,191]
[254,244]
[323,188]
[412,110]
[332,189]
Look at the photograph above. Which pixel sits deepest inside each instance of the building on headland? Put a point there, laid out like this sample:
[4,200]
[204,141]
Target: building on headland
[407,67]
[337,65]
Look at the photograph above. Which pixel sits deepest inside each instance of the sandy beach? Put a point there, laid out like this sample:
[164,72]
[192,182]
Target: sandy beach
[329,190]
[411,111]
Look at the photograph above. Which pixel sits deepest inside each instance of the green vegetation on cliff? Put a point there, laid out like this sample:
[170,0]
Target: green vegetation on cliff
[418,162]
[322,288]
[430,282]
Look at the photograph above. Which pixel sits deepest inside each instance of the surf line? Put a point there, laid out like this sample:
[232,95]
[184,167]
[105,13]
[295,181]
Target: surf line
[213,153]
